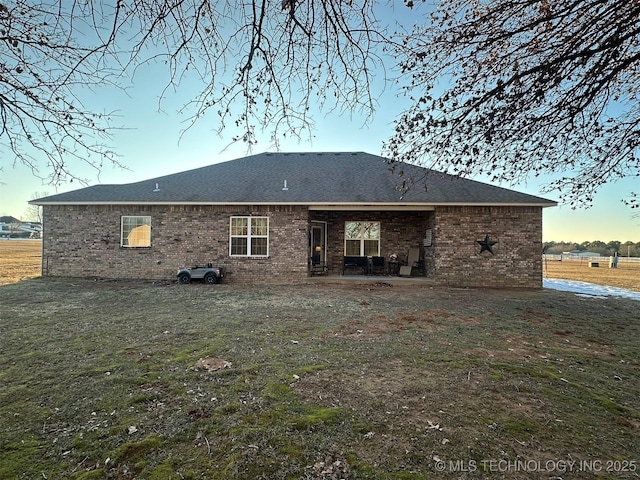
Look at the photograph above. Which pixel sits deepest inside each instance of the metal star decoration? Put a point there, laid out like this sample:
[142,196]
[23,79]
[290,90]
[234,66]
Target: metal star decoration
[486,244]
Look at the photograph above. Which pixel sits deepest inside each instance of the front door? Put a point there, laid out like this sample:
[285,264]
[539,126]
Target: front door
[318,243]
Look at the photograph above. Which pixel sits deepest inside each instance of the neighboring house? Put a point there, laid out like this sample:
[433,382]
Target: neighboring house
[265,216]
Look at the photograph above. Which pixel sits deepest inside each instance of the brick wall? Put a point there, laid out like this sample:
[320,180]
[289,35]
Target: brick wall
[517,258]
[84,241]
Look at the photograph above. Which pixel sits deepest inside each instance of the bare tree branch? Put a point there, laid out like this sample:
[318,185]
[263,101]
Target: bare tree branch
[516,88]
[261,66]
[42,70]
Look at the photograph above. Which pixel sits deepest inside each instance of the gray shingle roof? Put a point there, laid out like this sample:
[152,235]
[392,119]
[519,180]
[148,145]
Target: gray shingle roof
[311,178]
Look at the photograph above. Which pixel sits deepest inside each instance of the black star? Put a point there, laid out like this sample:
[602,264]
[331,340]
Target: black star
[486,244]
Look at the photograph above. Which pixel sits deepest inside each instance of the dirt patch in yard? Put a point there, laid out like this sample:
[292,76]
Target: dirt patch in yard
[382,324]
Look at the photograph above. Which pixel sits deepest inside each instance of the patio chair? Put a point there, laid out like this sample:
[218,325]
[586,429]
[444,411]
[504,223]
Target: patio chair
[413,259]
[317,266]
[377,265]
[359,263]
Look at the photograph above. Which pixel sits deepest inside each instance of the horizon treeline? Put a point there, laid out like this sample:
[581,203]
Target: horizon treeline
[623,249]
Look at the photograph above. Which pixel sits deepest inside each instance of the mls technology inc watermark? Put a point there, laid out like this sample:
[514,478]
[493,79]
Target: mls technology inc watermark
[540,466]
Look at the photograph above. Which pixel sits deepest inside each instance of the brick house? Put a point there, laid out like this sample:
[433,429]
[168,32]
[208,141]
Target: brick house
[263,217]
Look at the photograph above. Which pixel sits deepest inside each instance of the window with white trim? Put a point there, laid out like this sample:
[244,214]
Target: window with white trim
[362,238]
[135,231]
[249,237]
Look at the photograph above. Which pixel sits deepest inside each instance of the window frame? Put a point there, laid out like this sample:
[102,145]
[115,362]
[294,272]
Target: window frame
[249,235]
[146,220]
[362,238]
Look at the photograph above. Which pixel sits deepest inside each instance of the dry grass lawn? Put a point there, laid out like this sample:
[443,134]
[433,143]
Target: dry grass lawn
[136,380]
[20,259]
[139,380]
[627,275]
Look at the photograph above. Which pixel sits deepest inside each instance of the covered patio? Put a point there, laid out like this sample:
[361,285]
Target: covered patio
[371,243]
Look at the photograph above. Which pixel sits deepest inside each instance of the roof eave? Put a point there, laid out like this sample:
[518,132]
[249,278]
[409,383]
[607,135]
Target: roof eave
[320,205]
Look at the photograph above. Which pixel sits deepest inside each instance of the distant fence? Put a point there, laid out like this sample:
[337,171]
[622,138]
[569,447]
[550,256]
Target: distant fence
[578,258]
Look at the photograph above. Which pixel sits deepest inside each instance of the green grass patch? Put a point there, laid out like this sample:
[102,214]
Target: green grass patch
[520,426]
[316,416]
[538,371]
[135,451]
